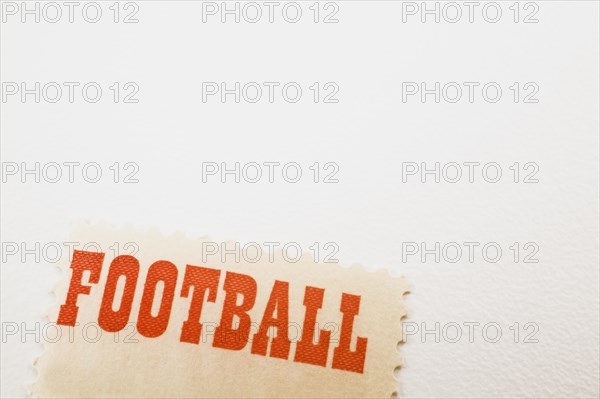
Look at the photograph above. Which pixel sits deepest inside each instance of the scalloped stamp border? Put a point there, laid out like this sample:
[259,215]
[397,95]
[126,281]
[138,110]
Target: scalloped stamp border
[166,321]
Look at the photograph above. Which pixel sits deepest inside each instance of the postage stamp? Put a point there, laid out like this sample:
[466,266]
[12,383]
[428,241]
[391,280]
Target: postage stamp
[161,321]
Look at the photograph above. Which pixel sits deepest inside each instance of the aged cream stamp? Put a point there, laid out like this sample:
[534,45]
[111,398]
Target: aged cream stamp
[164,322]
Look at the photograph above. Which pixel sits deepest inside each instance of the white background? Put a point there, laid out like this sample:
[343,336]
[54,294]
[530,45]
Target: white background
[369,134]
